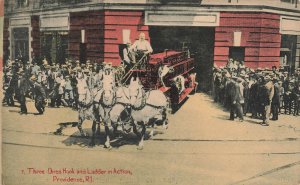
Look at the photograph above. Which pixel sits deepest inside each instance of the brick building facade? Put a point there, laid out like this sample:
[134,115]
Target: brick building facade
[261,33]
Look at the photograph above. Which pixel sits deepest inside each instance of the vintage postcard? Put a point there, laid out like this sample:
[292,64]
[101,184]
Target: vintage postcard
[150,92]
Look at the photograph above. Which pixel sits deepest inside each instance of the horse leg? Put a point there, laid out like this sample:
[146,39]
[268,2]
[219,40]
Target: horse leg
[92,143]
[98,118]
[79,126]
[140,135]
[151,134]
[107,133]
[141,143]
[165,119]
[98,129]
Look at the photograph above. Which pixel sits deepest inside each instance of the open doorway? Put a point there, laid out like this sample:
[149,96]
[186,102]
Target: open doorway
[237,53]
[200,42]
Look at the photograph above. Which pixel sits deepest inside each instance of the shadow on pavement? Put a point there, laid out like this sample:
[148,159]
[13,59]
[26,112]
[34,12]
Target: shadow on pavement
[247,120]
[118,139]
[18,111]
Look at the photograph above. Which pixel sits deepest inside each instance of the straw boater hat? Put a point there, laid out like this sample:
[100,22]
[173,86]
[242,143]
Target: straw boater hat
[9,74]
[20,71]
[267,78]
[239,79]
[234,77]
[45,62]
[33,78]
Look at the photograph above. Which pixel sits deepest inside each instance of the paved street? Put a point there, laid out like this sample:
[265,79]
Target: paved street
[200,147]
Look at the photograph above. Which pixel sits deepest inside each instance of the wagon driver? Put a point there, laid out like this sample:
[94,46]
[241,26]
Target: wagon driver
[141,47]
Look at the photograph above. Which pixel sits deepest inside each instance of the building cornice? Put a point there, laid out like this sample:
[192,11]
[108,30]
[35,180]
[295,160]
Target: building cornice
[158,7]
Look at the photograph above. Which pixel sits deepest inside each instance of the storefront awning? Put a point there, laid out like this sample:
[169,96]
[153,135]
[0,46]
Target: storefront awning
[57,22]
[289,25]
[182,18]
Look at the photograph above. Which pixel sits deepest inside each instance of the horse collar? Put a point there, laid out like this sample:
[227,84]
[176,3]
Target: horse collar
[143,104]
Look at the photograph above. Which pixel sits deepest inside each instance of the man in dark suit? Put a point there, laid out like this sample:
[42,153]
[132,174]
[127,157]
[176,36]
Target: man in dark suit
[22,88]
[276,100]
[235,98]
[266,96]
[40,95]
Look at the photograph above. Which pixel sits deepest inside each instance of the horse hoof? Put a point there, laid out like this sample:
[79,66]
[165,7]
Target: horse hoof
[151,135]
[108,147]
[92,143]
[140,148]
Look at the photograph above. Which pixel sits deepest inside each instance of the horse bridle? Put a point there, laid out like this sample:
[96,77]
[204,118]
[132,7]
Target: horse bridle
[85,105]
[113,99]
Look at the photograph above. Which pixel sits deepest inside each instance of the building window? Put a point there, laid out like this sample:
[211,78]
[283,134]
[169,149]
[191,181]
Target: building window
[288,51]
[20,44]
[21,3]
[54,46]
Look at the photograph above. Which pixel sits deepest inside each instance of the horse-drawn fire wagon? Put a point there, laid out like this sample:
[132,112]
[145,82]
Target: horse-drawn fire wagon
[170,71]
[139,97]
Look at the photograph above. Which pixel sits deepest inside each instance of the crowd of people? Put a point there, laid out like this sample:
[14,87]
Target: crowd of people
[55,85]
[263,93]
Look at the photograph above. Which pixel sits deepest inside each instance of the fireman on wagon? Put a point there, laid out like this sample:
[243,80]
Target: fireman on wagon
[141,48]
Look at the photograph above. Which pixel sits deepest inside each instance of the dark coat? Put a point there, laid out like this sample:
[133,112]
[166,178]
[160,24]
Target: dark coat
[276,97]
[39,91]
[233,92]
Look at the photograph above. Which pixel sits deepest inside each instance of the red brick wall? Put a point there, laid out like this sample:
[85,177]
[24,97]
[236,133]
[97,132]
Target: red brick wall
[260,37]
[115,22]
[35,34]
[92,22]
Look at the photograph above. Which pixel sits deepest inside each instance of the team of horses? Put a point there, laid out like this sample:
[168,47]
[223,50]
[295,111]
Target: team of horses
[124,108]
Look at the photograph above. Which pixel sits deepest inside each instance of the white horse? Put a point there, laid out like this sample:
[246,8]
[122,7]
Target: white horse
[148,108]
[119,115]
[107,99]
[135,109]
[87,110]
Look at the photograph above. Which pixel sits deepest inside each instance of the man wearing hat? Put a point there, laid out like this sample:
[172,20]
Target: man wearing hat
[217,85]
[276,100]
[22,88]
[266,96]
[295,98]
[141,48]
[9,89]
[69,96]
[40,95]
[128,57]
[35,69]
[235,97]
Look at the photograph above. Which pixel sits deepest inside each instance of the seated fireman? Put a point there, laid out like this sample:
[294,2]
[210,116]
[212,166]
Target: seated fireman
[128,56]
[140,47]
